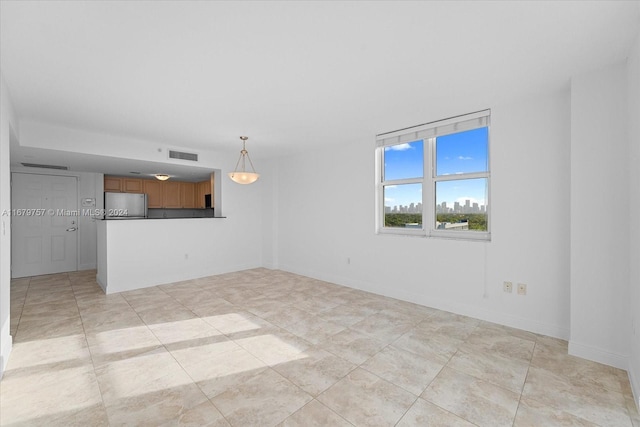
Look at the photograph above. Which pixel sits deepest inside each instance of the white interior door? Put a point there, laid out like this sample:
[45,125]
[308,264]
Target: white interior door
[44,224]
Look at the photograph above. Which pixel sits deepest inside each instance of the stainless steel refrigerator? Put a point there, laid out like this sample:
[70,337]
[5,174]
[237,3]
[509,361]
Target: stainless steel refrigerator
[125,206]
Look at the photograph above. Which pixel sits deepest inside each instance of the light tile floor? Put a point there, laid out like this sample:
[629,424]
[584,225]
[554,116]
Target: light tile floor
[266,348]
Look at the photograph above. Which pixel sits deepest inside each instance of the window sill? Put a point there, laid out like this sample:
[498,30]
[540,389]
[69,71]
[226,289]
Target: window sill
[473,236]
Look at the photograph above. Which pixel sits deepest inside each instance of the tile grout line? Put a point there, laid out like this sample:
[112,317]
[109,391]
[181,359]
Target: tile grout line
[473,376]
[24,300]
[515,416]
[93,364]
[194,382]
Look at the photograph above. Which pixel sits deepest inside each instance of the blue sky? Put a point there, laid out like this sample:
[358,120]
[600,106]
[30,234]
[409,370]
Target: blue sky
[462,152]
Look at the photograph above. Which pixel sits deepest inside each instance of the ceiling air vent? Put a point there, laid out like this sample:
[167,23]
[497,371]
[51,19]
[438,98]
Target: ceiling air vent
[36,165]
[183,156]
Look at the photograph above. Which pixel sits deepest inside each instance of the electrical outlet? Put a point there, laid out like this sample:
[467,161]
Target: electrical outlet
[507,286]
[522,288]
[348,260]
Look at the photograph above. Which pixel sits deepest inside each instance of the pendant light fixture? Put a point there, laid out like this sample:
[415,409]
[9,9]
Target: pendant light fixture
[241,176]
[161,177]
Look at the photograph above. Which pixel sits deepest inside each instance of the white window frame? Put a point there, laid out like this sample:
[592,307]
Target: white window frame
[428,133]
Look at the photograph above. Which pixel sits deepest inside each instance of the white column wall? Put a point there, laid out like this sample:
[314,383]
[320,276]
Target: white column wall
[600,316]
[90,185]
[633,73]
[7,126]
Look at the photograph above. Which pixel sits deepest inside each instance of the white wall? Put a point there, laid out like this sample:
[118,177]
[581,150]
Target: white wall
[90,185]
[600,316]
[140,253]
[7,125]
[325,214]
[633,73]
[102,276]
[269,179]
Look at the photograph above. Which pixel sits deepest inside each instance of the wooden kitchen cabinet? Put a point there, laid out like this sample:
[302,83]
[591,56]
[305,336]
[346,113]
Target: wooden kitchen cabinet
[153,189]
[132,185]
[188,195]
[171,194]
[203,188]
[161,194]
[112,184]
[199,197]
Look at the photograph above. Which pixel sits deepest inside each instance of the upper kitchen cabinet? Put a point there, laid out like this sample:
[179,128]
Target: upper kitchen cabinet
[202,188]
[153,190]
[112,184]
[132,185]
[162,194]
[199,196]
[171,194]
[188,195]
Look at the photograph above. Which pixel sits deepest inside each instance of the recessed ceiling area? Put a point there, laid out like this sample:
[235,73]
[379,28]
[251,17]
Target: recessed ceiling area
[291,75]
[117,166]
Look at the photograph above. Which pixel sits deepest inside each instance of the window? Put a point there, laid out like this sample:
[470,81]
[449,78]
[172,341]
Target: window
[434,179]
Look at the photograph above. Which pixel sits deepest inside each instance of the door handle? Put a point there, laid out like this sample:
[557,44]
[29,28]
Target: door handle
[71,229]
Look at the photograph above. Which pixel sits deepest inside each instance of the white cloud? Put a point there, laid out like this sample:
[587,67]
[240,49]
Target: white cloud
[464,158]
[399,147]
[389,199]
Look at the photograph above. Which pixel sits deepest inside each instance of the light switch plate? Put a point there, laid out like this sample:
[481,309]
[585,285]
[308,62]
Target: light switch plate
[88,202]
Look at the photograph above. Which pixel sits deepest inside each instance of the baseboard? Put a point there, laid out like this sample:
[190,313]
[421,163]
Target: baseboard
[634,379]
[114,287]
[516,322]
[7,345]
[89,266]
[598,355]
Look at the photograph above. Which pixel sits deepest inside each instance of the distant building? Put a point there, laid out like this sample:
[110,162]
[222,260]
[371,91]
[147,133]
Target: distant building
[452,225]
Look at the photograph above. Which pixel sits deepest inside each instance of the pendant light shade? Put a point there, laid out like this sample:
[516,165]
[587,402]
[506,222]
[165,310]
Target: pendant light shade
[161,177]
[240,174]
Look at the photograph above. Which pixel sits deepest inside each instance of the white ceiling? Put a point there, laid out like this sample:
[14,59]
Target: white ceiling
[292,75]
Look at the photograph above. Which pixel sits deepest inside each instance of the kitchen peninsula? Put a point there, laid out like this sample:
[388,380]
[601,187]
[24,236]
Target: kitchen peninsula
[138,253]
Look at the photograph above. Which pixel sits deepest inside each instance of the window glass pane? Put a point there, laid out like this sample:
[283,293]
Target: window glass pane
[403,161]
[462,152]
[403,206]
[461,204]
